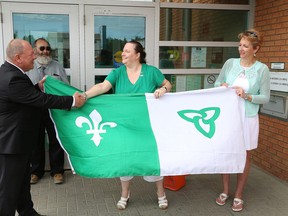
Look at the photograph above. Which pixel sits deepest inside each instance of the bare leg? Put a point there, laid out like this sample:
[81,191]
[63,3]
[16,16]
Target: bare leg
[225,182]
[221,199]
[162,200]
[122,203]
[241,182]
[242,177]
[160,188]
[125,188]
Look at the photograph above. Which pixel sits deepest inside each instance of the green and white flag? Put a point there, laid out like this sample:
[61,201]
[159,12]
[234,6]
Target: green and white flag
[194,132]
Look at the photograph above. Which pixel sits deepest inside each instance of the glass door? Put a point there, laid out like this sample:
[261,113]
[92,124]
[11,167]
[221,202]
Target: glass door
[106,32]
[56,23]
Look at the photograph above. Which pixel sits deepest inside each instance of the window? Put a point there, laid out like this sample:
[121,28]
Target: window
[209,1]
[111,34]
[198,25]
[201,25]
[53,27]
[179,57]
[196,37]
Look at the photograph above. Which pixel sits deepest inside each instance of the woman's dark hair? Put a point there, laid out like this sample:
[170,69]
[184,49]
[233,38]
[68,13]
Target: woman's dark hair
[139,49]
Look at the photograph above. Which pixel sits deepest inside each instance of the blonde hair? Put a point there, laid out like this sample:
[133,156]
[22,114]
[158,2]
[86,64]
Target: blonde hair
[253,36]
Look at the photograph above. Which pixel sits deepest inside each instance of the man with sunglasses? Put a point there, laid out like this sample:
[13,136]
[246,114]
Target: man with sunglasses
[45,65]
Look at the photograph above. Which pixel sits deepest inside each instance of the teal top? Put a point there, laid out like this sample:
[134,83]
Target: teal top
[258,76]
[149,80]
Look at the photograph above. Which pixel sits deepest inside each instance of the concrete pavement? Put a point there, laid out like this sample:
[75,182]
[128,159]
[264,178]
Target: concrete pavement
[265,195]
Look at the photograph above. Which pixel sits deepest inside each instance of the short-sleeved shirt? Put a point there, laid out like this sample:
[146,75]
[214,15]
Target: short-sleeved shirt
[54,69]
[149,80]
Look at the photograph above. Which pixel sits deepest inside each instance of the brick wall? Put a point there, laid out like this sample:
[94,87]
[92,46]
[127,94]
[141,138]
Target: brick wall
[272,151]
[271,19]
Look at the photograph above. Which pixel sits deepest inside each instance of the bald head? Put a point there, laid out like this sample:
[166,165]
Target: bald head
[20,53]
[14,47]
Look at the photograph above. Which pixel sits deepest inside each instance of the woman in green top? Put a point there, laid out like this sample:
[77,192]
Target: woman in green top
[135,76]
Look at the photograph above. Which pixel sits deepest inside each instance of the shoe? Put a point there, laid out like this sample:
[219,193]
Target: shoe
[58,178]
[237,205]
[163,202]
[221,199]
[122,203]
[34,179]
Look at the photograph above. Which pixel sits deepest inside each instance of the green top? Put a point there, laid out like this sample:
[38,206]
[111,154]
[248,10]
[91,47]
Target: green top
[149,80]
[258,76]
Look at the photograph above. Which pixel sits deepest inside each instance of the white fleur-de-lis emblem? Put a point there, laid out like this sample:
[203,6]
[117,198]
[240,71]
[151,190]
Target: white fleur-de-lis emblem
[96,119]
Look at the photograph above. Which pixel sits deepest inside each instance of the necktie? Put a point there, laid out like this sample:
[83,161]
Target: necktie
[42,73]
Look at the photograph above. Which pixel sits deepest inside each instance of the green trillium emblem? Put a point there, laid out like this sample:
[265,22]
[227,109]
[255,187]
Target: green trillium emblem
[204,119]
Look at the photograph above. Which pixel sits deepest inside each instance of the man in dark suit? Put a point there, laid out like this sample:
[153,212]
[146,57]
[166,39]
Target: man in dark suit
[21,105]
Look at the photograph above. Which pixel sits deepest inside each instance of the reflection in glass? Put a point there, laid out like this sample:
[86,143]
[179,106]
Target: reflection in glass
[110,35]
[167,57]
[242,2]
[53,27]
[190,82]
[198,57]
[201,25]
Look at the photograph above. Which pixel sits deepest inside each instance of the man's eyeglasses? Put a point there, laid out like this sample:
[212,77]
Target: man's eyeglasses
[250,33]
[42,48]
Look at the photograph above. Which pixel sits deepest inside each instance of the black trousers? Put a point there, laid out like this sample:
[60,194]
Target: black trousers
[15,185]
[56,153]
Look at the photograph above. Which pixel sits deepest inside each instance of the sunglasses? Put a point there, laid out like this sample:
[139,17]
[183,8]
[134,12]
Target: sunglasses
[252,34]
[42,48]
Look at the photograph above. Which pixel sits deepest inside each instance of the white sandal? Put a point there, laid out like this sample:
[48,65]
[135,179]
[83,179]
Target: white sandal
[122,203]
[221,199]
[163,202]
[237,205]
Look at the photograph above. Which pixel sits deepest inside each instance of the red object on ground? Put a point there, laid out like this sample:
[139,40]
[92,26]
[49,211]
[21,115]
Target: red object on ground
[174,182]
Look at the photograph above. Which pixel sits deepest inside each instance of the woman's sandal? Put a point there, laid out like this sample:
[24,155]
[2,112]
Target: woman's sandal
[221,199]
[122,203]
[163,202]
[238,205]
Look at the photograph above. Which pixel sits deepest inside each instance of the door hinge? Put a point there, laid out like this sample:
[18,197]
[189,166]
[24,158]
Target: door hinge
[1,17]
[84,20]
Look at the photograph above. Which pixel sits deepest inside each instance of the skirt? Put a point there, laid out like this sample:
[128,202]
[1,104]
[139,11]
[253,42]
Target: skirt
[251,132]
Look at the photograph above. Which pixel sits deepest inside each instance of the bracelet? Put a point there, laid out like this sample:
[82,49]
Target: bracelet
[246,96]
[165,88]
[85,95]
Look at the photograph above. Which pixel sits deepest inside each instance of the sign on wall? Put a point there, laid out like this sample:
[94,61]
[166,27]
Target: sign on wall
[279,81]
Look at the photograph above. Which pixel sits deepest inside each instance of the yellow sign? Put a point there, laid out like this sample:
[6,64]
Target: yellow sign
[118,56]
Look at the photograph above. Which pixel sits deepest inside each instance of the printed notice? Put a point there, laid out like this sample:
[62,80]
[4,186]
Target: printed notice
[279,81]
[198,57]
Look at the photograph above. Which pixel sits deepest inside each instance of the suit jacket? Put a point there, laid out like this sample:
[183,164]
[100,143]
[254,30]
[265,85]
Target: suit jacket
[21,105]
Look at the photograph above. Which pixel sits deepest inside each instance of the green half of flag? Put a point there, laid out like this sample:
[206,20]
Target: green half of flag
[109,136]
